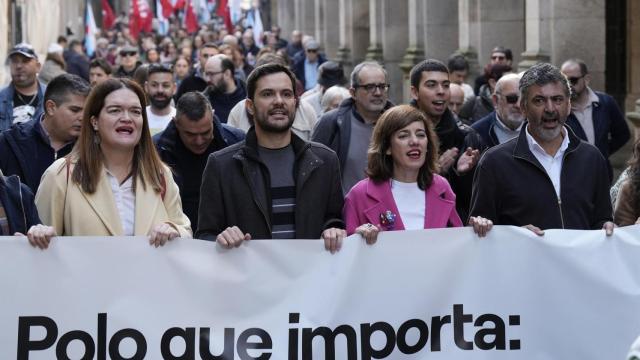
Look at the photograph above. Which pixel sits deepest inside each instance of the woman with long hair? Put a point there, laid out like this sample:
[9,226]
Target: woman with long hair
[113,182]
[403,190]
[627,209]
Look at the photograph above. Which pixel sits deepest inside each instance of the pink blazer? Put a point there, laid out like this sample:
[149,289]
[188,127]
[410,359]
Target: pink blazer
[368,199]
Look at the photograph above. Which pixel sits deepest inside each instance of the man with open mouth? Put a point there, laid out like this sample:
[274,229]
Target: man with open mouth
[546,178]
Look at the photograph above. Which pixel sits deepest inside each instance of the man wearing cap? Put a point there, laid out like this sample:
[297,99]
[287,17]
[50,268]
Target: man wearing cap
[330,73]
[21,100]
[306,67]
[129,62]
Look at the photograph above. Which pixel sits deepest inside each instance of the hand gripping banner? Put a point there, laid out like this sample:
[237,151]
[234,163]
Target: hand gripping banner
[432,294]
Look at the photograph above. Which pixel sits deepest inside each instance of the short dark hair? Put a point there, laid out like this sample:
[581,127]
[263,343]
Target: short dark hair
[61,86]
[102,64]
[542,74]
[192,105]
[159,68]
[457,62]
[426,65]
[210,45]
[264,70]
[227,64]
[501,49]
[380,164]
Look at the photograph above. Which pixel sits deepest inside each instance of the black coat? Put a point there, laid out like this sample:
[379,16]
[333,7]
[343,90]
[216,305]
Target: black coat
[188,167]
[512,188]
[17,200]
[235,191]
[26,152]
[192,82]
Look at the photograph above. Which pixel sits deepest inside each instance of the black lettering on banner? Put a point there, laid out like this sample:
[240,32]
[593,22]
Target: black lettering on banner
[205,344]
[25,344]
[243,344]
[498,332]
[367,351]
[514,320]
[329,341]
[83,337]
[136,336]
[459,319]
[294,318]
[423,337]
[436,327]
[102,336]
[188,335]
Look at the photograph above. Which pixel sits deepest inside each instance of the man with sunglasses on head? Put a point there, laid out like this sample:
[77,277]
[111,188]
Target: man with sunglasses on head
[129,62]
[347,130]
[160,88]
[505,122]
[306,66]
[595,117]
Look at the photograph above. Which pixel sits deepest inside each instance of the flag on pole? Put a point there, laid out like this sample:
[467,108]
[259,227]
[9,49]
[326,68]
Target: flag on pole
[225,14]
[163,22]
[108,17]
[190,18]
[140,17]
[254,19]
[90,30]
[166,8]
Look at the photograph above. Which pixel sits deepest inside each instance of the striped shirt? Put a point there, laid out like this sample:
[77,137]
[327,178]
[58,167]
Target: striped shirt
[283,190]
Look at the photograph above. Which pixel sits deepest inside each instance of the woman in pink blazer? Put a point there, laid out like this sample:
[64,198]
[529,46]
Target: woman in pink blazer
[403,190]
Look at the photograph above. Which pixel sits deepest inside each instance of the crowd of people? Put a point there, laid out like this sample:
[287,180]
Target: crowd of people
[219,137]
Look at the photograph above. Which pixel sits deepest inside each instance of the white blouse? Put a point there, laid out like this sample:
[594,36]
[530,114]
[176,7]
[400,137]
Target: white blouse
[125,200]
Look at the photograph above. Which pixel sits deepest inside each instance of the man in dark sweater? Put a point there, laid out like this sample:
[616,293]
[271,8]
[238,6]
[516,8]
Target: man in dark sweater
[29,148]
[186,144]
[224,90]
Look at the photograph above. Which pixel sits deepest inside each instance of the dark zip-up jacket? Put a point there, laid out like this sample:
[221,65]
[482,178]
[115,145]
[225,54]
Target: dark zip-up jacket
[511,187]
[25,151]
[609,126]
[18,203]
[236,191]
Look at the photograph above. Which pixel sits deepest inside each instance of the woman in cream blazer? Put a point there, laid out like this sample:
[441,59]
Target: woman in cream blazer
[113,182]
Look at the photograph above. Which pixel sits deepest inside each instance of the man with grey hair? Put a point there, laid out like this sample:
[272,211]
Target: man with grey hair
[347,130]
[554,179]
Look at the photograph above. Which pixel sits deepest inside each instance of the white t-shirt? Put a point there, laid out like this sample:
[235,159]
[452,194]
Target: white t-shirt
[410,201]
[158,123]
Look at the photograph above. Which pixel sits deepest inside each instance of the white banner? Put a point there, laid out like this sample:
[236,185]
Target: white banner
[435,294]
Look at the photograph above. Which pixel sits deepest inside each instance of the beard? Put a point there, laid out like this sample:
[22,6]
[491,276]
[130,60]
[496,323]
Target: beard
[159,102]
[219,87]
[262,120]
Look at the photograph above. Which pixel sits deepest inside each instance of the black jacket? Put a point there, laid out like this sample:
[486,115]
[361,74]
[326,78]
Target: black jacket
[235,191]
[512,188]
[223,103]
[188,167]
[192,82]
[609,127]
[484,129]
[18,203]
[26,152]
[477,107]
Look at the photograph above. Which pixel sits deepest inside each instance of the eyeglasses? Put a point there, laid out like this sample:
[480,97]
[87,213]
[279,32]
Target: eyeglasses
[212,73]
[574,80]
[511,99]
[371,88]
[128,53]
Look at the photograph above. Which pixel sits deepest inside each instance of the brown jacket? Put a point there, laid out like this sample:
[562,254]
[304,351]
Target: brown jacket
[626,212]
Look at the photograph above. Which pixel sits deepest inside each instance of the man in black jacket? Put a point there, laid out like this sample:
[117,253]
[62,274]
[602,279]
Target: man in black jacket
[28,149]
[273,184]
[546,177]
[186,143]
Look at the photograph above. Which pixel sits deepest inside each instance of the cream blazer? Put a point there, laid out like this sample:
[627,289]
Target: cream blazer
[62,204]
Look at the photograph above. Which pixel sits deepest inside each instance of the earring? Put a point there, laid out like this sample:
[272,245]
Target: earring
[96,138]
